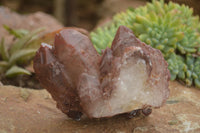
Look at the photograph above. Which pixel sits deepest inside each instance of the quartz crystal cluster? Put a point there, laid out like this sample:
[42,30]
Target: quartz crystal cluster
[129,77]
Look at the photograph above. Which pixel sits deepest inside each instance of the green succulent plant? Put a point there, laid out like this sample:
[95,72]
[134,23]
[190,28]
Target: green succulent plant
[171,28]
[20,52]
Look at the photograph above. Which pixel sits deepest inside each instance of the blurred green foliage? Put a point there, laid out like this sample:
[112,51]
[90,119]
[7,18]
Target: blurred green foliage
[20,52]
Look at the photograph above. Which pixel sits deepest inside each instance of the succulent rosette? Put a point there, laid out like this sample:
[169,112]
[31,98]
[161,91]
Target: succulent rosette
[171,28]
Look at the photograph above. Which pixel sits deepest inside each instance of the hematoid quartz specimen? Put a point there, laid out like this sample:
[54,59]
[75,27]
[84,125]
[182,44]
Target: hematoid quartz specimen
[128,77]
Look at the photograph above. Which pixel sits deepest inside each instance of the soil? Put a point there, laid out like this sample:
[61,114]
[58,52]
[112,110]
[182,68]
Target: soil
[25,81]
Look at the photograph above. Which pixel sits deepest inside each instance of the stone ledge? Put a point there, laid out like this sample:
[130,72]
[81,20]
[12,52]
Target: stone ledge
[34,111]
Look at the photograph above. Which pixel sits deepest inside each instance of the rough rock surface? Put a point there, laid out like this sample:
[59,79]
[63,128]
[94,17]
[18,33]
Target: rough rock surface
[34,111]
[29,22]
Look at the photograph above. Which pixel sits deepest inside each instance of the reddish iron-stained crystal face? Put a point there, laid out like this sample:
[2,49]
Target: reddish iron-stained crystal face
[129,77]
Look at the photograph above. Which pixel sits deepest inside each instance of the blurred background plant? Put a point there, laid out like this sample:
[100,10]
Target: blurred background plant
[82,13]
[14,59]
[19,54]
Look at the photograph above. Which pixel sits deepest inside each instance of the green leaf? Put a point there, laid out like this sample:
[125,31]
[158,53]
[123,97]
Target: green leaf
[3,67]
[17,33]
[21,42]
[21,54]
[15,70]
[3,50]
[3,63]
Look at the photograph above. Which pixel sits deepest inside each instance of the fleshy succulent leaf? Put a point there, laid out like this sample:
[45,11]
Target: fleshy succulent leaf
[21,42]
[3,51]
[21,54]
[17,33]
[15,70]
[3,64]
